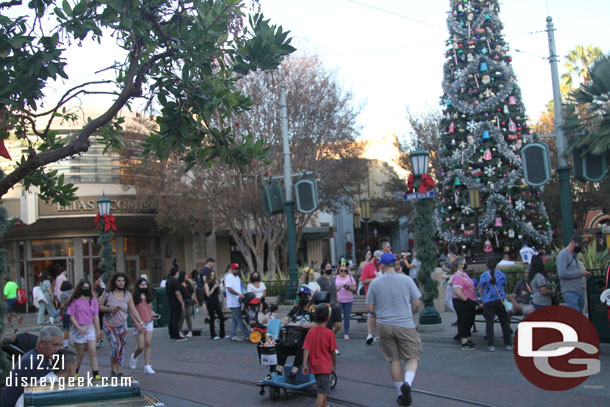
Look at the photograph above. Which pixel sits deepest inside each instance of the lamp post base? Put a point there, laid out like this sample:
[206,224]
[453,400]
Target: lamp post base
[430,315]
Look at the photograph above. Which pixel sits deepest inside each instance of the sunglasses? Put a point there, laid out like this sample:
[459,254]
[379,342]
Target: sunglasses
[343,271]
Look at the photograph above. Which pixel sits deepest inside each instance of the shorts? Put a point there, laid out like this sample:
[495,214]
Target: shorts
[77,337]
[10,303]
[149,326]
[65,322]
[399,343]
[527,308]
[323,383]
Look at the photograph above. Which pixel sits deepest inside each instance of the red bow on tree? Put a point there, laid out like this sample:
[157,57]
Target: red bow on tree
[410,183]
[108,222]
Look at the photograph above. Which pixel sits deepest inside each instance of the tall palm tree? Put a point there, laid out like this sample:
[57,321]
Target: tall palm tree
[579,61]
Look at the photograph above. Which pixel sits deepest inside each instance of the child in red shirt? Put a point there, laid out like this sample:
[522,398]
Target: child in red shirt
[319,349]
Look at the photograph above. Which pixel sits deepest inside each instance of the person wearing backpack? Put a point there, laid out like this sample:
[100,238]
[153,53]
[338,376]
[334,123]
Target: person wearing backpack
[492,284]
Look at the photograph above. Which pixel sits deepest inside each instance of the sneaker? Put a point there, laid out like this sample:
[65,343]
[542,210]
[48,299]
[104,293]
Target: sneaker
[468,346]
[148,369]
[405,398]
[292,378]
[51,320]
[346,337]
[189,334]
[19,321]
[337,352]
[491,348]
[509,347]
[100,344]
[182,339]
[376,339]
[216,338]
[97,377]
[369,339]
[236,339]
[181,336]
[133,362]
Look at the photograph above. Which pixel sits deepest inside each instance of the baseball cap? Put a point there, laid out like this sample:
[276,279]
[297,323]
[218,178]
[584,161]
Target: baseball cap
[388,259]
[304,290]
[378,254]
[234,266]
[577,239]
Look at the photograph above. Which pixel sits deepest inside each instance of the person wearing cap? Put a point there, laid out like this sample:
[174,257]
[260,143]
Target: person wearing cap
[369,272]
[234,294]
[570,272]
[393,298]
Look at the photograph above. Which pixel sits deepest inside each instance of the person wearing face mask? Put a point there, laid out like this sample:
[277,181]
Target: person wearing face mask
[570,274]
[83,312]
[327,281]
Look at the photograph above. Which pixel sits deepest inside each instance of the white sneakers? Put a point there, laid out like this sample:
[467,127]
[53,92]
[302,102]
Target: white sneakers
[189,334]
[346,337]
[133,362]
[216,338]
[148,369]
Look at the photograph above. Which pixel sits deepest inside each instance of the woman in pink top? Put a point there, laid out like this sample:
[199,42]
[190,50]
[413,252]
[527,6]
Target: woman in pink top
[464,301]
[143,298]
[346,287]
[83,311]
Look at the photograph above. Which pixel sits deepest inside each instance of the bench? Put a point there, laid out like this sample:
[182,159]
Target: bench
[359,308]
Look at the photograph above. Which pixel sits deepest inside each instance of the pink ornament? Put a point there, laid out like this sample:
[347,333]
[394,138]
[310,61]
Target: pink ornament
[487,154]
[512,126]
[487,246]
[498,222]
[451,128]
[512,100]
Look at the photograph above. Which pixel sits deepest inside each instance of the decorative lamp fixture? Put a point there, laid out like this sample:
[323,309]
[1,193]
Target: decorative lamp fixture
[103,205]
[357,220]
[419,162]
[475,202]
[365,209]
[348,236]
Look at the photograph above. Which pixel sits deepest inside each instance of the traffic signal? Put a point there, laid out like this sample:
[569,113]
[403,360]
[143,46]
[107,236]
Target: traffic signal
[589,167]
[273,200]
[536,163]
[307,195]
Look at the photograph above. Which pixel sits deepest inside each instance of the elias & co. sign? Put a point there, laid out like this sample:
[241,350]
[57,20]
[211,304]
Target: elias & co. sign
[88,205]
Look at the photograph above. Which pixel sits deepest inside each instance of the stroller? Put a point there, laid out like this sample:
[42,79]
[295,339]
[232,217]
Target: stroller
[250,312]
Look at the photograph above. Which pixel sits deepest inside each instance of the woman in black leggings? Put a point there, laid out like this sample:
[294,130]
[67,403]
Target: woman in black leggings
[212,289]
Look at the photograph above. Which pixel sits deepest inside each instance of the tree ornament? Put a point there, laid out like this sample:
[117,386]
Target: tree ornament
[512,126]
[487,154]
[512,100]
[506,111]
[520,205]
[489,171]
[486,79]
[451,128]
[498,222]
[487,246]
[462,227]
[486,135]
[511,233]
[457,181]
[466,210]
[472,126]
[470,139]
[483,67]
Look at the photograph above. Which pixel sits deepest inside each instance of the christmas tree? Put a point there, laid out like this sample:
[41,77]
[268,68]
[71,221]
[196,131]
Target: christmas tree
[484,128]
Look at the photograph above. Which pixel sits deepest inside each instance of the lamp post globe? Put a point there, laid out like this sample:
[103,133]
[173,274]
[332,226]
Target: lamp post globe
[419,161]
[103,205]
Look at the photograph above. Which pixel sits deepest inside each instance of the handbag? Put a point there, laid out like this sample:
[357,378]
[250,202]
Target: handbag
[22,296]
[508,306]
[293,336]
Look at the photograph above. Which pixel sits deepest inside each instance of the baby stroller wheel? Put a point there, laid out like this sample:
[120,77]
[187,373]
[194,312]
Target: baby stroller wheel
[255,336]
[274,393]
[333,380]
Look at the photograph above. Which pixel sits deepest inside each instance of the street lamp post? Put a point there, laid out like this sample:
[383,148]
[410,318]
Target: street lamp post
[424,241]
[104,223]
[365,212]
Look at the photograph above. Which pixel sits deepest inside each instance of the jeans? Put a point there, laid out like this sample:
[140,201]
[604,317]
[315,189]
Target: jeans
[575,300]
[346,309]
[188,316]
[490,310]
[174,319]
[465,311]
[237,321]
[48,307]
[215,311]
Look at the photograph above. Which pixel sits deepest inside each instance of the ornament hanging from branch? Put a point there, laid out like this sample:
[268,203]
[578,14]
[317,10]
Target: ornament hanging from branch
[520,205]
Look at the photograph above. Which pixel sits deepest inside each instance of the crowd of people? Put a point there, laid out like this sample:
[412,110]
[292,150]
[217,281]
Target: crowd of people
[388,281]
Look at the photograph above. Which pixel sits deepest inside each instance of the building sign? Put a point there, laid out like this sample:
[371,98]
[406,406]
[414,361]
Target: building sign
[88,205]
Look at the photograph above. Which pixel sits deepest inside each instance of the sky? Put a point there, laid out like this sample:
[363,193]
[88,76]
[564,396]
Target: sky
[390,53]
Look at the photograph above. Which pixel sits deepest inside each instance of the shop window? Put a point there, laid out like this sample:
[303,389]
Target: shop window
[135,245]
[52,248]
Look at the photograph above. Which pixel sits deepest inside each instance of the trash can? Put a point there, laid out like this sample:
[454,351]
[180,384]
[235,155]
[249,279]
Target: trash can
[162,307]
[598,312]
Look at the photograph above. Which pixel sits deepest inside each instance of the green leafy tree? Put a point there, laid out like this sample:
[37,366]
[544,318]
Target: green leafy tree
[181,58]
[483,129]
[578,62]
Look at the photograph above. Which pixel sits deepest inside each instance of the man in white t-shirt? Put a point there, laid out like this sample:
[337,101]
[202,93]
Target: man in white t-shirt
[234,294]
[527,253]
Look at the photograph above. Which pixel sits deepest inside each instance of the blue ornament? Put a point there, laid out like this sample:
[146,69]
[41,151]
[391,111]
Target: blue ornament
[486,135]
[483,66]
[484,51]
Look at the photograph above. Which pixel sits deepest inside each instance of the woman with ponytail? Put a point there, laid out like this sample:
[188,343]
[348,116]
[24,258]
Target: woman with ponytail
[492,284]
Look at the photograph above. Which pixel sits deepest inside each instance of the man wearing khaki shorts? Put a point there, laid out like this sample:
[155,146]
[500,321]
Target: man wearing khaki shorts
[393,298]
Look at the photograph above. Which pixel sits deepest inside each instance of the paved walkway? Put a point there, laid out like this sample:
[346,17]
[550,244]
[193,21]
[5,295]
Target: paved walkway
[202,372]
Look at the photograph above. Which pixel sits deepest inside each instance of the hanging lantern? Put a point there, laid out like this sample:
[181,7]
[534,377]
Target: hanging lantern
[483,67]
[512,100]
[486,135]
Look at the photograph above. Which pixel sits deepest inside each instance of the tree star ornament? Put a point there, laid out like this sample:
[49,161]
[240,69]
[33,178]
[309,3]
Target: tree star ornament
[466,210]
[489,171]
[472,126]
